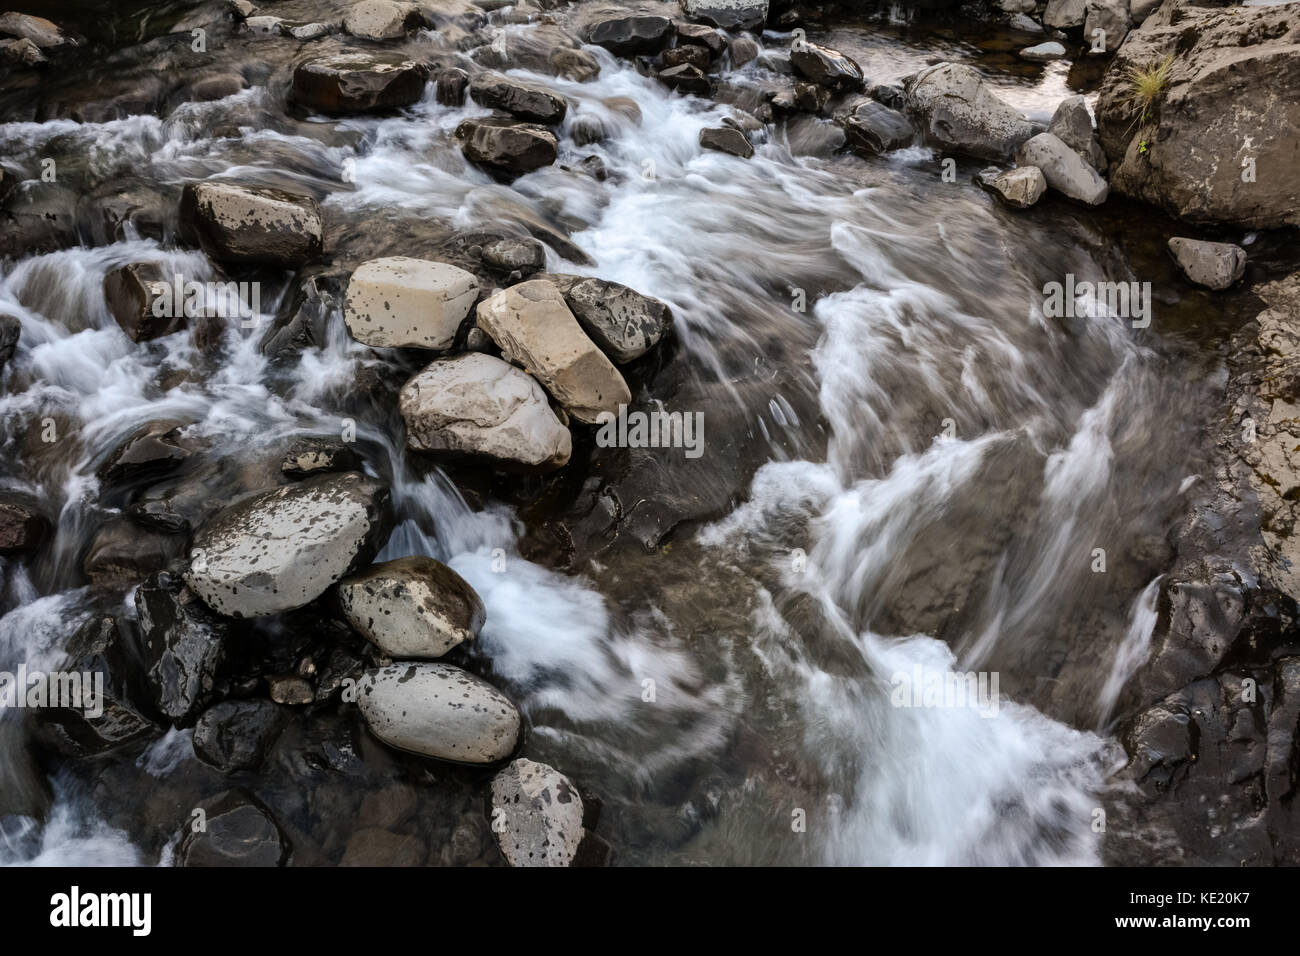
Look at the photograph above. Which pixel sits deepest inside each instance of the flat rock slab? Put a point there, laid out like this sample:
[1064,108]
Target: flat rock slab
[411,608]
[370,82]
[252,224]
[399,302]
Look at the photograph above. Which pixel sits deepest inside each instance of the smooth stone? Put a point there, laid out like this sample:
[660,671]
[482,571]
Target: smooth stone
[726,140]
[1065,170]
[399,302]
[536,815]
[1215,265]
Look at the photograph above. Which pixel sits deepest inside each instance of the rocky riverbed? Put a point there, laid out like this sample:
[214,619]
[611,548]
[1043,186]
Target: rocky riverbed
[578,434]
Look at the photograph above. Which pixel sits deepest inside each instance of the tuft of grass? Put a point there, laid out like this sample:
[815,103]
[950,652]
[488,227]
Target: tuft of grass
[1146,83]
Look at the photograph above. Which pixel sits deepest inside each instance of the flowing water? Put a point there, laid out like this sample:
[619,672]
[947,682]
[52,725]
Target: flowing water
[908,468]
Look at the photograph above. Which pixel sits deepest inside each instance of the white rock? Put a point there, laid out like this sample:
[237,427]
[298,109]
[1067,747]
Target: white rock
[412,607]
[1019,188]
[438,711]
[414,303]
[1065,170]
[1043,52]
[536,815]
[380,19]
[1215,265]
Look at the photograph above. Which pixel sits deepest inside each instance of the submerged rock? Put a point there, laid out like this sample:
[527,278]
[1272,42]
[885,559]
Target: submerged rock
[238,831]
[1215,265]
[536,815]
[152,450]
[412,303]
[183,645]
[252,224]
[22,526]
[411,608]
[236,734]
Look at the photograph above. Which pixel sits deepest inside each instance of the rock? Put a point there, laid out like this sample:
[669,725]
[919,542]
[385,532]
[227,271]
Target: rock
[399,302]
[960,112]
[449,90]
[477,404]
[536,815]
[236,734]
[290,690]
[312,31]
[1017,6]
[811,98]
[382,19]
[1043,52]
[1139,10]
[631,34]
[132,294]
[1219,143]
[183,646]
[1215,265]
[11,330]
[438,711]
[728,14]
[507,145]
[518,258]
[889,94]
[624,323]
[22,526]
[370,82]
[1064,169]
[685,79]
[527,101]
[697,34]
[1018,188]
[1072,125]
[411,608]
[726,140]
[238,832]
[151,451]
[283,548]
[157,515]
[37,30]
[373,846]
[252,224]
[874,128]
[315,456]
[532,325]
[826,67]
[217,87]
[696,56]
[123,553]
[1064,14]
[1025,24]
[22,53]
[743,50]
[264,26]
[302,322]
[1109,16]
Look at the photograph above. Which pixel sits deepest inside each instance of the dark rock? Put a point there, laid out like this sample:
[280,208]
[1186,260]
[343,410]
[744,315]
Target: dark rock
[132,294]
[236,734]
[151,451]
[369,82]
[184,647]
[373,846]
[826,67]
[875,128]
[517,258]
[123,553]
[685,79]
[11,329]
[624,323]
[238,831]
[726,140]
[696,56]
[251,224]
[890,94]
[312,456]
[507,145]
[526,101]
[743,50]
[811,98]
[632,34]
[302,323]
[697,34]
[22,526]
[450,87]
[157,514]
[728,14]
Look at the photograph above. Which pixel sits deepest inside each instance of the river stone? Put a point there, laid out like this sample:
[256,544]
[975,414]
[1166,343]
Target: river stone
[40,32]
[370,82]
[1065,170]
[515,257]
[130,291]
[685,79]
[150,451]
[507,145]
[826,67]
[382,19]
[399,302]
[123,553]
[696,56]
[631,34]
[236,734]
[1018,188]
[438,711]
[283,548]
[1063,14]
[1072,125]
[1139,10]
[411,608]
[536,815]
[252,224]
[532,325]
[526,101]
[623,322]
[1215,265]
[728,14]
[239,832]
[317,456]
[697,34]
[726,140]
[1109,16]
[961,113]
[742,50]
[477,404]
[1043,52]
[183,646]
[874,128]
[450,86]
[1024,23]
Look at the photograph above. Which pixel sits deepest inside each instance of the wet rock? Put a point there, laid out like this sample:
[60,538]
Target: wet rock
[515,258]
[23,53]
[826,67]
[133,293]
[889,94]
[743,50]
[235,735]
[697,34]
[685,79]
[508,146]
[477,404]
[150,451]
[1018,188]
[726,140]
[412,303]
[183,645]
[532,325]
[301,323]
[962,114]
[631,34]
[122,552]
[22,526]
[526,101]
[696,56]
[623,322]
[264,25]
[1043,52]
[1072,125]
[216,87]
[370,82]
[813,136]
[284,548]
[1215,265]
[312,31]
[315,456]
[1025,24]
[40,32]
[252,224]
[536,815]
[411,608]
[157,515]
[11,330]
[1139,10]
[382,19]
[874,128]
[728,14]
[1065,170]
[1064,14]
[238,832]
[450,87]
[810,97]
[1109,16]
[438,711]
[290,690]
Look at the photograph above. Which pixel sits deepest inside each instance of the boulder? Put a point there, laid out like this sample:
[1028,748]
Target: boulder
[1139,10]
[1072,125]
[283,548]
[252,224]
[1065,14]
[438,711]
[629,35]
[960,112]
[38,31]
[476,404]
[131,293]
[728,14]
[726,140]
[532,325]
[742,50]
[811,98]
[382,19]
[1018,188]
[369,82]
[526,101]
[507,146]
[411,608]
[184,647]
[1111,17]
[1065,170]
[22,526]
[1219,143]
[874,128]
[518,258]
[826,67]
[1043,52]
[623,322]
[699,35]
[236,734]
[399,302]
[536,815]
[1215,265]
